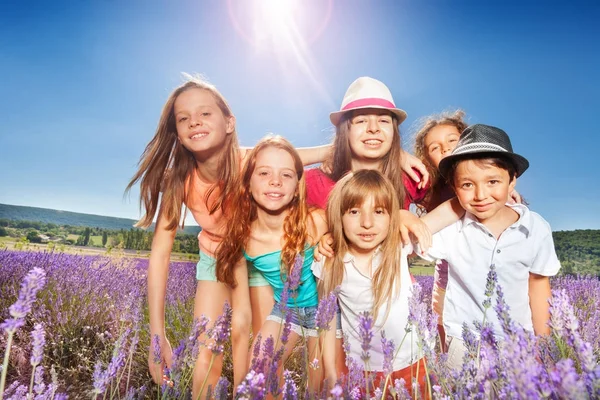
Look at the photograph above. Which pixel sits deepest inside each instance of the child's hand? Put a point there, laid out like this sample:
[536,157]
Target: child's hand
[408,162]
[412,229]
[515,198]
[166,355]
[324,248]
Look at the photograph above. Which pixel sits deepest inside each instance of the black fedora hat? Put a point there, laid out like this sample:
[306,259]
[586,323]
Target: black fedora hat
[480,140]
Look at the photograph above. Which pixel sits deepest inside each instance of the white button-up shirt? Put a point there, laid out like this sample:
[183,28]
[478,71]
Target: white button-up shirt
[470,249]
[356,296]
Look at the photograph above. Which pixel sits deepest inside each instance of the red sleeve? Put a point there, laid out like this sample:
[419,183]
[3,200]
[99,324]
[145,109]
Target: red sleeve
[318,187]
[413,193]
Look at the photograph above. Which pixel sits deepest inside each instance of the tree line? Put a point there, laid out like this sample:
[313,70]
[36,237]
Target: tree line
[132,239]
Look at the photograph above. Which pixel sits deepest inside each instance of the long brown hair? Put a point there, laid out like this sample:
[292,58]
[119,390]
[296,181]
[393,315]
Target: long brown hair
[352,191]
[453,118]
[239,220]
[340,160]
[167,166]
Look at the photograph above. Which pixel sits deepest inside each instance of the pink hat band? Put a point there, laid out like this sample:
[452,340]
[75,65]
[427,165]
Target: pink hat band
[370,102]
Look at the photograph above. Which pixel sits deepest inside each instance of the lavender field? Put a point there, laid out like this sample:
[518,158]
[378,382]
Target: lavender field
[76,326]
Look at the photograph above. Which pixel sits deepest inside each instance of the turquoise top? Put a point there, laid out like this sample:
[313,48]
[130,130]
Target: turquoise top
[270,266]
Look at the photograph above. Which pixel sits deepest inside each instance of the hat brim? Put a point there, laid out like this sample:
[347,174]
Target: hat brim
[335,117]
[521,163]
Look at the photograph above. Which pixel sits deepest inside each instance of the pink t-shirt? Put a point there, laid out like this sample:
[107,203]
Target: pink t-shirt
[319,185]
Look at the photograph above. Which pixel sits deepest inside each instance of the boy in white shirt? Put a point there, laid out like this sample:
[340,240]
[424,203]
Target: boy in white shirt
[483,171]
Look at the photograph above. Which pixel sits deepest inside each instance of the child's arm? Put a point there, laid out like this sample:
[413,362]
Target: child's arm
[314,155]
[158,272]
[443,215]
[539,294]
[241,321]
[308,155]
[328,347]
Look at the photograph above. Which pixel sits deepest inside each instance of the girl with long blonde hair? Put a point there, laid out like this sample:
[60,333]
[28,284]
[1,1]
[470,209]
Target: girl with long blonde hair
[194,160]
[369,271]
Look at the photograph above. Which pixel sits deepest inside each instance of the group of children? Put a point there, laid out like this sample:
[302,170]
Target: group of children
[263,216]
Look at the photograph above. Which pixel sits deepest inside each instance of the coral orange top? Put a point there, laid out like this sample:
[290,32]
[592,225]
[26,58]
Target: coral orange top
[213,225]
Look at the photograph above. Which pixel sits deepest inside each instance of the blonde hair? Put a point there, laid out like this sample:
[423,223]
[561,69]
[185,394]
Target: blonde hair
[452,118]
[352,191]
[240,219]
[339,161]
[167,166]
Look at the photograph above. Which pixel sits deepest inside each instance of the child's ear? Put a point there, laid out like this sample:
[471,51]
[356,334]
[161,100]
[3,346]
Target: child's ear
[512,184]
[230,125]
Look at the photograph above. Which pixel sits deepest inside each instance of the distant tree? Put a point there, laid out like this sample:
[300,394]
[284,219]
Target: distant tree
[104,238]
[86,236]
[3,231]
[33,237]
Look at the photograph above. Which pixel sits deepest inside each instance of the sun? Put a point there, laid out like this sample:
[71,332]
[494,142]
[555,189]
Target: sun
[280,25]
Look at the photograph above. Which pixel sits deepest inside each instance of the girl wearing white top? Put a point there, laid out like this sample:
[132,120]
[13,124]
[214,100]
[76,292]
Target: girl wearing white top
[370,269]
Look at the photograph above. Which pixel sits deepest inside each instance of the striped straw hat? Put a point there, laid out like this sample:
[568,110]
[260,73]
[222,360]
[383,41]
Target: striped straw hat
[367,92]
[480,140]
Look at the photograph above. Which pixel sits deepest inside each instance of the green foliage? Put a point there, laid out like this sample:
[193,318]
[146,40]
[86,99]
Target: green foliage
[578,251]
[33,237]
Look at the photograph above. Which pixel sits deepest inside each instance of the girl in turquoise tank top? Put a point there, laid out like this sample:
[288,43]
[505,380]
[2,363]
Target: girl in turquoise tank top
[272,228]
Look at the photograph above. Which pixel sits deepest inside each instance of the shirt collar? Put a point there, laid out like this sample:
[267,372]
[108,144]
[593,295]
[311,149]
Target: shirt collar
[349,258]
[523,223]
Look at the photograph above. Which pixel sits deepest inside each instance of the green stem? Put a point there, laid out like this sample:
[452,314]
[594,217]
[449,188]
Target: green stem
[5,363]
[385,385]
[31,382]
[212,359]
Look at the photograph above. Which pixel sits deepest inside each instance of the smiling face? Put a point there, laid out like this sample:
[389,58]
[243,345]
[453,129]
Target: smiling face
[201,125]
[439,142]
[371,134]
[365,226]
[274,181]
[482,188]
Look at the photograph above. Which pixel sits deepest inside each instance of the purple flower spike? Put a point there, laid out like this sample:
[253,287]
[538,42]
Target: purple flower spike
[365,331]
[253,387]
[33,282]
[38,337]
[157,351]
[387,347]
[337,392]
[290,390]
[222,389]
[294,277]
[222,330]
[326,311]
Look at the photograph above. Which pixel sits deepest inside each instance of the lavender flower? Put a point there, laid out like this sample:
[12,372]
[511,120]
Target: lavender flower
[38,338]
[157,351]
[337,392]
[221,389]
[32,283]
[290,390]
[387,348]
[326,311]
[253,387]
[296,273]
[365,331]
[222,330]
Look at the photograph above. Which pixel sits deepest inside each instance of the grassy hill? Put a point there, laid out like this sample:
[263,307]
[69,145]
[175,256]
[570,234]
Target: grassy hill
[58,217]
[578,251]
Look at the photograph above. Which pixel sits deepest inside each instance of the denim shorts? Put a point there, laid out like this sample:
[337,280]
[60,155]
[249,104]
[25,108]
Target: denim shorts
[255,277]
[338,325]
[205,269]
[303,319]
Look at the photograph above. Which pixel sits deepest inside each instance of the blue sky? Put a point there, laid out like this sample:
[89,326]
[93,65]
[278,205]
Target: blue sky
[84,82]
